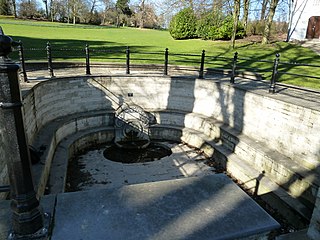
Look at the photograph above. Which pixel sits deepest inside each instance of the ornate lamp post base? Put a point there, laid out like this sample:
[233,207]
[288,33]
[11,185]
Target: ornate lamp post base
[27,218]
[42,233]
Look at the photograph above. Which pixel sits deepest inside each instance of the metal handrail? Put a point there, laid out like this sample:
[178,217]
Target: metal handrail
[127,56]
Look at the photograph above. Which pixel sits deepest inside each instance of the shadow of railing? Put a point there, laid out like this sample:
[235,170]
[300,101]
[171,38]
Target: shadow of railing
[53,58]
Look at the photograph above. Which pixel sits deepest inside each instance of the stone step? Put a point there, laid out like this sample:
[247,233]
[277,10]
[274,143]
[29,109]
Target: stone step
[295,178]
[69,147]
[242,170]
[260,184]
[299,235]
[54,132]
[204,133]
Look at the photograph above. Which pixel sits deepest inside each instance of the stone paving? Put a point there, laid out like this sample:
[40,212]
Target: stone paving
[313,44]
[103,173]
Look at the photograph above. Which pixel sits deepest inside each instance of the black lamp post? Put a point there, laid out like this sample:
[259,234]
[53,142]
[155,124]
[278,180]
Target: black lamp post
[27,219]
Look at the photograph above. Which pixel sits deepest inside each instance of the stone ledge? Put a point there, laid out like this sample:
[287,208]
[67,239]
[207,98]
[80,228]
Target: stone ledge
[243,171]
[70,146]
[262,185]
[295,178]
[49,137]
[196,137]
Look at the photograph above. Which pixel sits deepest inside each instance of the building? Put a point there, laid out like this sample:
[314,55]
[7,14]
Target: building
[304,20]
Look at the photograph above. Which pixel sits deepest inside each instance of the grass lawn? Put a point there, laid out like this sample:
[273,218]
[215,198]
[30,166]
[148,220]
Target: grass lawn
[35,35]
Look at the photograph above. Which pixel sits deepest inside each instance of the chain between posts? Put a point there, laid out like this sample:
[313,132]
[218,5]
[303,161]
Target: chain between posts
[49,57]
[203,55]
[272,88]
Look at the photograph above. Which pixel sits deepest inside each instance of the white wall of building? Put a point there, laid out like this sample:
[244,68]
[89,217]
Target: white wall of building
[301,11]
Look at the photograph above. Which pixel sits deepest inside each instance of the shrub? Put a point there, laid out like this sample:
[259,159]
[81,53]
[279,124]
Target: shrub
[208,24]
[183,24]
[214,26]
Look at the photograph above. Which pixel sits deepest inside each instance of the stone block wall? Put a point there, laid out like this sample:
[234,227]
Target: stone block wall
[286,127]
[283,126]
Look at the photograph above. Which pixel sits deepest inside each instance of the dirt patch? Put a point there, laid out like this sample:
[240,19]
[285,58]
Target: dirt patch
[258,38]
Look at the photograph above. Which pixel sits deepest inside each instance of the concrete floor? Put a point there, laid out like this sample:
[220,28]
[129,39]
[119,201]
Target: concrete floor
[93,171]
[200,205]
[208,207]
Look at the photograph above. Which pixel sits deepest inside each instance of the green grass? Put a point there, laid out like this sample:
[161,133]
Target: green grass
[36,34]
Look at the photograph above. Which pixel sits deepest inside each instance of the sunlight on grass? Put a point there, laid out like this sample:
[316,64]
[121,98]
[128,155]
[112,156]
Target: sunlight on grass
[35,34]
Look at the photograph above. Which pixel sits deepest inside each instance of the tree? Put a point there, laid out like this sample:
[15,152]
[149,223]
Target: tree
[145,17]
[142,14]
[264,9]
[14,8]
[5,7]
[217,5]
[78,10]
[267,28]
[93,13]
[183,25]
[28,9]
[245,14]
[123,6]
[236,14]
[123,10]
[109,15]
[46,6]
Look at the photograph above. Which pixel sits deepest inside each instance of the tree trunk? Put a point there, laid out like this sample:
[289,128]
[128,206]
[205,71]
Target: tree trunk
[142,12]
[74,14]
[93,6]
[236,14]
[264,9]
[245,14]
[51,11]
[14,8]
[291,13]
[47,11]
[217,5]
[267,28]
[191,4]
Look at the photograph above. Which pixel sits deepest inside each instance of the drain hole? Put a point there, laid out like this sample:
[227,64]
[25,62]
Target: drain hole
[154,151]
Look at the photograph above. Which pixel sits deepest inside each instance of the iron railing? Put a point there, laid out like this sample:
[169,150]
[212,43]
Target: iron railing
[271,70]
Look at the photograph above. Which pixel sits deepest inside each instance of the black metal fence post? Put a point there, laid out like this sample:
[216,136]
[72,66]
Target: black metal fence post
[87,60]
[234,66]
[27,218]
[49,57]
[166,61]
[128,60]
[23,65]
[272,88]
[203,55]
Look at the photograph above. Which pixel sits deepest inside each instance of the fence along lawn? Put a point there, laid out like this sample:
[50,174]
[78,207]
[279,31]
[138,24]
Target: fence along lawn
[145,43]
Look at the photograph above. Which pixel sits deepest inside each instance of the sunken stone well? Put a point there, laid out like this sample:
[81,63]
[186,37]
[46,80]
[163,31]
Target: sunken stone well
[249,132]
